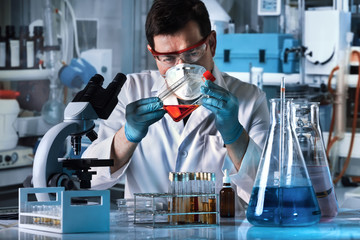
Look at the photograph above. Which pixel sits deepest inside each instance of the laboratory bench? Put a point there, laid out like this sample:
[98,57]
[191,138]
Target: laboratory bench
[345,226]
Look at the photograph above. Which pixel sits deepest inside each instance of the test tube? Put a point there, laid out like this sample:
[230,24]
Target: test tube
[194,207]
[212,199]
[175,203]
[199,199]
[186,198]
[180,201]
[205,203]
[171,190]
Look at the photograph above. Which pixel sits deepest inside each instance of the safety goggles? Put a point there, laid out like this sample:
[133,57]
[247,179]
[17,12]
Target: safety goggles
[191,54]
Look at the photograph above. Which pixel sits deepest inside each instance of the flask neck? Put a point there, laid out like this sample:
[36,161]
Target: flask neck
[275,109]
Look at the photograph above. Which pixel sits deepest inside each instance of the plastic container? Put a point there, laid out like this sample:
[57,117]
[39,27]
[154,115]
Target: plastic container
[69,212]
[9,110]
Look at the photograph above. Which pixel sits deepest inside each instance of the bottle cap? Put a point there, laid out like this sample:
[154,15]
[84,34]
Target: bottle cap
[208,76]
[226,178]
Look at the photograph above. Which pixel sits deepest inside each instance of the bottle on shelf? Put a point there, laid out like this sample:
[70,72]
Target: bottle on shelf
[227,198]
[12,48]
[2,51]
[26,48]
[38,46]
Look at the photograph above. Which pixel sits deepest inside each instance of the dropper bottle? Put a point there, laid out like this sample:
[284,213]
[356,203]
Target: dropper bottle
[227,198]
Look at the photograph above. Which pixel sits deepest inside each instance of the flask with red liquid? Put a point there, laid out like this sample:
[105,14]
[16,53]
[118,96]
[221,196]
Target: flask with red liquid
[179,111]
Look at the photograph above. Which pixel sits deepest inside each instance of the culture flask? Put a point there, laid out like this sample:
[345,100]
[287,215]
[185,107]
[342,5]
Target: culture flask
[306,121]
[184,82]
[282,194]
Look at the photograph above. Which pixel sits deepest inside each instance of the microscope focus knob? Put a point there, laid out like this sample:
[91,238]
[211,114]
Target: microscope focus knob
[61,180]
[92,135]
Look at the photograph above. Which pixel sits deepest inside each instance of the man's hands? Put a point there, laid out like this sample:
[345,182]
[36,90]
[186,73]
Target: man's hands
[225,106]
[140,115]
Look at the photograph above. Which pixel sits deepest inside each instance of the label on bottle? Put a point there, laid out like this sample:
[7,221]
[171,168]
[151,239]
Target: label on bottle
[29,54]
[14,53]
[2,54]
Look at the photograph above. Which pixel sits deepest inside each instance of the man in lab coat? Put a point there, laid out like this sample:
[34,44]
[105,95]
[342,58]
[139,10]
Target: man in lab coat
[227,132]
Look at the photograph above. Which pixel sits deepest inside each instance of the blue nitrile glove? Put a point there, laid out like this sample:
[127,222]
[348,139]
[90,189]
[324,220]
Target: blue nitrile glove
[225,106]
[140,115]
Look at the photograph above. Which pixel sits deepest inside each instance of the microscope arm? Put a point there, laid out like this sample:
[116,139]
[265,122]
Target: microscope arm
[46,157]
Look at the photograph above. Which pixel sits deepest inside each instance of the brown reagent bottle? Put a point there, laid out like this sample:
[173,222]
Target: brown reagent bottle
[227,198]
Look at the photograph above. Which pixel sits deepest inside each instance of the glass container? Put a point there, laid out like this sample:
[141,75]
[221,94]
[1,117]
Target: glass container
[187,91]
[307,127]
[282,194]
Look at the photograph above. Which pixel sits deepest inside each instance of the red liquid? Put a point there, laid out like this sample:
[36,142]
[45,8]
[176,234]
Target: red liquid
[178,112]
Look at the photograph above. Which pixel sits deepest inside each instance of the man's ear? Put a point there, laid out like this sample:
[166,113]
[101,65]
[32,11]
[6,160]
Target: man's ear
[212,42]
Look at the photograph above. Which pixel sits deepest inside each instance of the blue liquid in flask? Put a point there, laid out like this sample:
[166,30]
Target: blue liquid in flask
[283,206]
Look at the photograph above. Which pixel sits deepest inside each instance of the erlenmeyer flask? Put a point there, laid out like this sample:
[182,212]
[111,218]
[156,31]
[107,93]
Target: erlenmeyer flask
[307,127]
[282,194]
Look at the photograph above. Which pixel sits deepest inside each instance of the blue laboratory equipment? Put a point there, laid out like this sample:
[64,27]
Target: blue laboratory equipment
[282,194]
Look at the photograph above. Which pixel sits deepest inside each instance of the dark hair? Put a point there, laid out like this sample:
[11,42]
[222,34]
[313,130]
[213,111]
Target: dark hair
[170,16]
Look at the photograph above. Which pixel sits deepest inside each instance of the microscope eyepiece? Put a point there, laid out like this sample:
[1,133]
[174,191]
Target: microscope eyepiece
[97,79]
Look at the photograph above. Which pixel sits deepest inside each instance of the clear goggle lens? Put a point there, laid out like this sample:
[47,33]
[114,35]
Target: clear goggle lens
[191,56]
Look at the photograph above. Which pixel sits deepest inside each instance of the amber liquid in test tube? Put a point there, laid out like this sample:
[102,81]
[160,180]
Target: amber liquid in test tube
[187,202]
[212,199]
[181,200]
[205,203]
[172,201]
[176,199]
[194,207]
[197,199]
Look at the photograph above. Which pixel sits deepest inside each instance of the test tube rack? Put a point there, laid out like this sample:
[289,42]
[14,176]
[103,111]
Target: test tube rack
[66,211]
[164,210]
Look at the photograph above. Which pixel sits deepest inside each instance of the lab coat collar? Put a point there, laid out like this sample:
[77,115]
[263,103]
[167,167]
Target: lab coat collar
[158,83]
[219,79]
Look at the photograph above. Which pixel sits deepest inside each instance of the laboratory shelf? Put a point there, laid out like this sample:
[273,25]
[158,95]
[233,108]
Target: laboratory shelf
[24,74]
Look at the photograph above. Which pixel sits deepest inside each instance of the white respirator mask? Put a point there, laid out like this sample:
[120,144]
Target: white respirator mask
[184,80]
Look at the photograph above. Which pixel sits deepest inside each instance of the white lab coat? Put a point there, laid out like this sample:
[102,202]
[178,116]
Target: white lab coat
[172,147]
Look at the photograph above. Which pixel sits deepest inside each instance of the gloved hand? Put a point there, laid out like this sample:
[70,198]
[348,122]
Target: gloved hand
[140,115]
[225,106]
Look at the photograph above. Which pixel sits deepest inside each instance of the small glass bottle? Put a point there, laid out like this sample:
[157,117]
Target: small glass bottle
[26,48]
[231,28]
[2,51]
[38,46]
[227,198]
[12,48]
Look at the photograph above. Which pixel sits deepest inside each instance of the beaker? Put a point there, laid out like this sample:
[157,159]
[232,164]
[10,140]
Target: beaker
[282,194]
[307,127]
[186,89]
